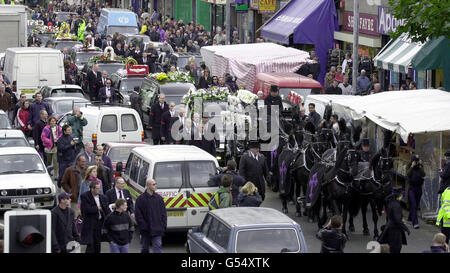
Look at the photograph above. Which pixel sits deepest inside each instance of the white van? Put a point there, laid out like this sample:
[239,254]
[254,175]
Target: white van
[110,124]
[182,173]
[30,68]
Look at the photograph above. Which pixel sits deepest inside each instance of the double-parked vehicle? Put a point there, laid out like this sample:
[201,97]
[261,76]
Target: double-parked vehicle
[14,138]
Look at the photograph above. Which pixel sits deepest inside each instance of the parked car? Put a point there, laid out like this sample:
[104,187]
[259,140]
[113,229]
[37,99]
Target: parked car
[4,120]
[246,230]
[62,105]
[120,151]
[182,173]
[66,90]
[14,138]
[24,179]
[109,124]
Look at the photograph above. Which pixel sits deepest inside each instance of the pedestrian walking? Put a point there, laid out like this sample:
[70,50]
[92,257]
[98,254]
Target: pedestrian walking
[238,181]
[94,209]
[155,115]
[105,158]
[253,167]
[333,240]
[37,132]
[151,217]
[438,245]
[103,173]
[50,135]
[89,176]
[119,228]
[88,152]
[393,233]
[66,151]
[71,180]
[136,101]
[63,225]
[77,122]
[415,174]
[119,192]
[36,108]
[249,196]
[23,116]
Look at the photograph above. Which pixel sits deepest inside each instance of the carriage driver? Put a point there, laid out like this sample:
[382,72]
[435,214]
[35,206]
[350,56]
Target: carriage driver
[364,154]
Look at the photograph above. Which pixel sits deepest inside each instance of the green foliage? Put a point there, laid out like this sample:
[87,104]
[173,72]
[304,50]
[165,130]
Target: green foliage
[424,19]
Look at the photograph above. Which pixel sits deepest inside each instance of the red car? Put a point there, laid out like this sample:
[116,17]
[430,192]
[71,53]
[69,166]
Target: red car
[119,151]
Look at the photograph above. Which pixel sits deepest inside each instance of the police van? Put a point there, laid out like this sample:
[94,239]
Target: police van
[182,173]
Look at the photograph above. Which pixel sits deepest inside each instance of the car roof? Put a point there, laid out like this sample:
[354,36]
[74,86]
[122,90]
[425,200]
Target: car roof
[126,144]
[7,133]
[105,109]
[287,79]
[67,86]
[167,153]
[18,150]
[245,216]
[33,50]
[66,98]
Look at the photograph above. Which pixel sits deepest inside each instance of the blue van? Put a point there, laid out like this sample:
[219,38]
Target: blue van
[117,20]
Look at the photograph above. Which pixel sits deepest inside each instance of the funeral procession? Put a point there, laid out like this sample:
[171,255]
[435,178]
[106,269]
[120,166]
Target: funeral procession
[224,126]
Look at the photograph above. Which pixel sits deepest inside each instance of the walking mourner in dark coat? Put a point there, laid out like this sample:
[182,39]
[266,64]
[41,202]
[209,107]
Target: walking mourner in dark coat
[94,209]
[119,192]
[167,119]
[136,101]
[151,217]
[273,99]
[119,228]
[253,168]
[63,225]
[333,240]
[394,231]
[155,116]
[415,174]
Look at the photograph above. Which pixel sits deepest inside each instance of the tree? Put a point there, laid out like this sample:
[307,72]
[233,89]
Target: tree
[424,19]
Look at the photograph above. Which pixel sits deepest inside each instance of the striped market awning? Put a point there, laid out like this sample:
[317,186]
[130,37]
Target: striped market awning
[397,54]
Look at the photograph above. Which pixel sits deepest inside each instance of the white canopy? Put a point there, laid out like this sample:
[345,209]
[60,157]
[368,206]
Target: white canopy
[403,112]
[246,60]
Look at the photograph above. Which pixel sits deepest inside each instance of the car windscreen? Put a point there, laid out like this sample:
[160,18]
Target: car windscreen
[255,240]
[13,142]
[121,29]
[83,57]
[168,175]
[120,154]
[200,172]
[67,92]
[127,85]
[64,106]
[4,122]
[110,68]
[21,163]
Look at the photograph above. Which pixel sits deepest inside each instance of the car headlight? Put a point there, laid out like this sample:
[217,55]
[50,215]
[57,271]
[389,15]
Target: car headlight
[47,190]
[39,191]
[4,193]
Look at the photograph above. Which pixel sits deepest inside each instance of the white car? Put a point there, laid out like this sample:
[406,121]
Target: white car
[24,179]
[4,120]
[14,138]
[65,90]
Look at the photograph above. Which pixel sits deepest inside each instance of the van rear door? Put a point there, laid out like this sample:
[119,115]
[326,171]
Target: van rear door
[51,70]
[27,67]
[198,192]
[129,127]
[109,129]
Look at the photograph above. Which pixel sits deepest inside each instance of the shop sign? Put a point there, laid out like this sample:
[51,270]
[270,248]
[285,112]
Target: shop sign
[386,22]
[254,4]
[367,23]
[267,6]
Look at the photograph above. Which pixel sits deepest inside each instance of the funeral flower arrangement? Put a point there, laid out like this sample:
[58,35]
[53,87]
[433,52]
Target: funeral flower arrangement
[41,29]
[172,77]
[107,58]
[63,33]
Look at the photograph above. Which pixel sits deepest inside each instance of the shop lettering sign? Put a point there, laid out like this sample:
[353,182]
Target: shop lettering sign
[386,22]
[368,23]
[267,6]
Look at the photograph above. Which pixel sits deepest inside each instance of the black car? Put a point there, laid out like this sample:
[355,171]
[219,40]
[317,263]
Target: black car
[125,84]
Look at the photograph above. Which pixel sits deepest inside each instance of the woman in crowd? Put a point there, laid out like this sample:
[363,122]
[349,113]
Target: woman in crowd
[90,175]
[249,196]
[50,135]
[205,81]
[23,116]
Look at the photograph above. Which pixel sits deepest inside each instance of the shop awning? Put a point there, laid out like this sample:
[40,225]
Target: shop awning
[283,24]
[397,54]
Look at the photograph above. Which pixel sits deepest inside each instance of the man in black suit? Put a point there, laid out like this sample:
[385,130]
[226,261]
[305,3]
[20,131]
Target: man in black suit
[210,135]
[149,58]
[155,115]
[137,54]
[167,120]
[253,167]
[119,192]
[93,78]
[97,41]
[107,94]
[119,50]
[108,42]
[101,82]
[94,209]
